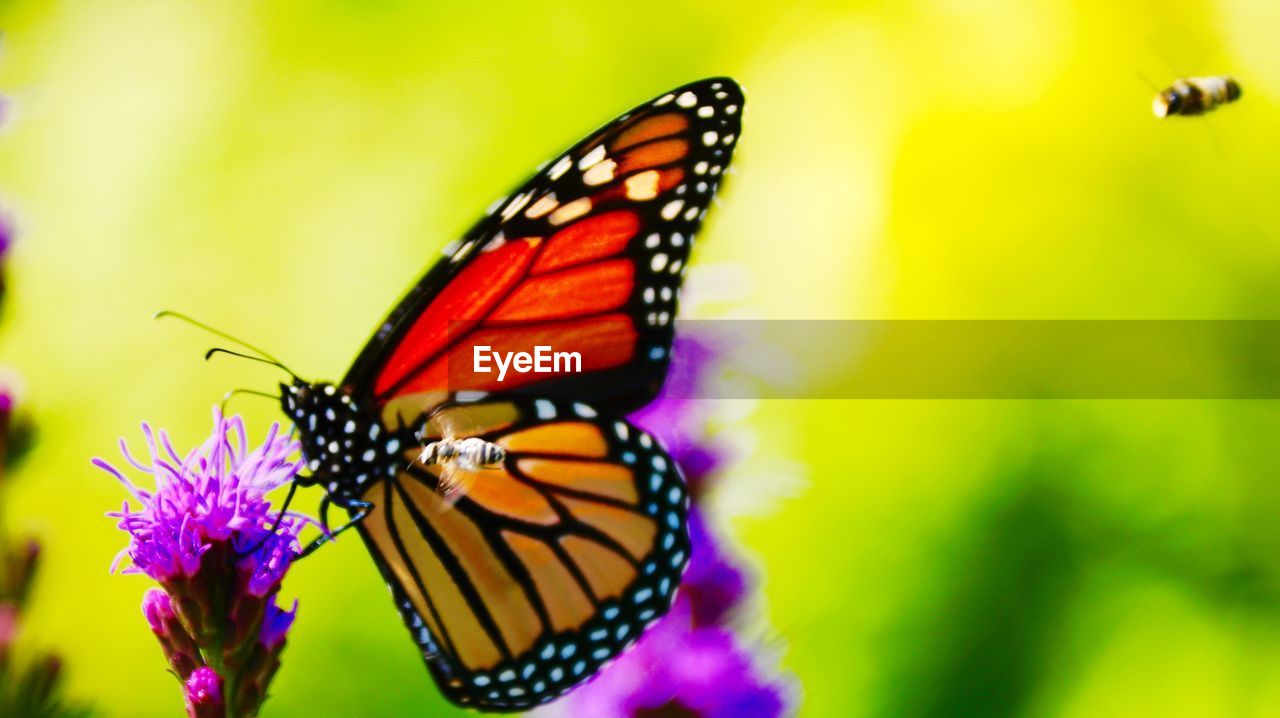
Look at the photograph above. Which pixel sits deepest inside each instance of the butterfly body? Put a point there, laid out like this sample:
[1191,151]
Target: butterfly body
[527,531]
[344,444]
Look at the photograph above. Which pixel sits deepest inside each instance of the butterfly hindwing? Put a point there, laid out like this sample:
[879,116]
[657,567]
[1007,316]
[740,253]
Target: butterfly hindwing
[587,256]
[547,566]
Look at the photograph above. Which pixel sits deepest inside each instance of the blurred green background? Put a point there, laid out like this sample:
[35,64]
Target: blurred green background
[285,169]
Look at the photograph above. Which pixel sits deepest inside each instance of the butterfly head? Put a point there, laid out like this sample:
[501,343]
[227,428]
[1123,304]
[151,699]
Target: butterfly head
[343,446]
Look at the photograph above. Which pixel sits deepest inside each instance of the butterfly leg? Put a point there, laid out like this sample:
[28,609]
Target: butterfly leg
[362,509]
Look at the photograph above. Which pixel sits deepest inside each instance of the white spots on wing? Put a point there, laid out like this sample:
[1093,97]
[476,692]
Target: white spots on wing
[571,211]
[664,100]
[600,173]
[591,158]
[561,166]
[706,111]
[584,411]
[545,409]
[648,295]
[658,261]
[676,266]
[709,137]
[516,205]
[642,186]
[687,99]
[728,139]
[658,319]
[498,240]
[700,168]
[721,95]
[544,205]
[677,240]
[462,252]
[652,240]
[731,109]
[672,208]
[690,213]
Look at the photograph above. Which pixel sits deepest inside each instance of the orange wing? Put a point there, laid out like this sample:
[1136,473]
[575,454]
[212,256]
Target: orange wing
[587,257]
[548,566]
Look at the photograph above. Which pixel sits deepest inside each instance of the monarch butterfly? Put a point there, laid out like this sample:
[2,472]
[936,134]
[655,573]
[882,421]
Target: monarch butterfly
[545,551]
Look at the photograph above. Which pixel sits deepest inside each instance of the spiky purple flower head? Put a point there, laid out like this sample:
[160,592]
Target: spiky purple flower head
[214,495]
[209,536]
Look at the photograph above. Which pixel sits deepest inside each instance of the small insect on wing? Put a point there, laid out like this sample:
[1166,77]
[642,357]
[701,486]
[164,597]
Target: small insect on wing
[443,432]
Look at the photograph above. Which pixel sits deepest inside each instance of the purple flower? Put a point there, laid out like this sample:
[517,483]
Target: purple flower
[713,584]
[6,231]
[688,665]
[678,417]
[681,671]
[204,694]
[209,537]
[6,237]
[157,607]
[214,496]
[275,625]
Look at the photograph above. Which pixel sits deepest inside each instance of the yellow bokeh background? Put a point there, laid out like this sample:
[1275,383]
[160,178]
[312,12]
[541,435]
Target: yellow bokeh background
[285,170]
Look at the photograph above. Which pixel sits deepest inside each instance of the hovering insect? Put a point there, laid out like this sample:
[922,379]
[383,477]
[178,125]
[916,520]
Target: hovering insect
[528,532]
[460,460]
[1195,96]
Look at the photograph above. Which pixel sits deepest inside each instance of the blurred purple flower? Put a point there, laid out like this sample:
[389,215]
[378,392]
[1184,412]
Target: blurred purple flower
[208,536]
[6,233]
[6,239]
[688,664]
[713,584]
[204,694]
[679,415]
[680,671]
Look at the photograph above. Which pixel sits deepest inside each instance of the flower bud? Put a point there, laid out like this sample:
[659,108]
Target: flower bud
[204,694]
[179,647]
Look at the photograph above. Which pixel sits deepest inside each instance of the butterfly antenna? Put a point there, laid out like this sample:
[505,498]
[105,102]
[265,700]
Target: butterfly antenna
[269,362]
[263,356]
[226,398]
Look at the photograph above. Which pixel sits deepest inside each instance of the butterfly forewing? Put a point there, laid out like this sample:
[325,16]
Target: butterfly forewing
[587,257]
[548,566]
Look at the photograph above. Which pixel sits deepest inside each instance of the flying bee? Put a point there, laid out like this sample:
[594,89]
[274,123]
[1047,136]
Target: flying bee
[1195,96]
[459,455]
